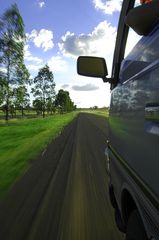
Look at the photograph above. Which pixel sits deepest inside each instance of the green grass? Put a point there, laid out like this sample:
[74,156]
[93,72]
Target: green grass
[22,140]
[154,118]
[99,112]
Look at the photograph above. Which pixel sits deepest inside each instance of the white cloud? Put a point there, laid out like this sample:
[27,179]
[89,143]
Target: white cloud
[32,63]
[34,68]
[34,59]
[100,97]
[86,87]
[57,64]
[108,6]
[64,86]
[31,76]
[42,38]
[41,4]
[100,42]
[29,57]
[3,70]
[26,50]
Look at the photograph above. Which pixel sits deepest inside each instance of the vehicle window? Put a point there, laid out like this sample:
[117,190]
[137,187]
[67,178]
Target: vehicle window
[133,37]
[140,52]
[132,40]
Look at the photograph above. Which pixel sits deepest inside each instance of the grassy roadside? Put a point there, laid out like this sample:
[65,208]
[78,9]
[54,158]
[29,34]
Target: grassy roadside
[103,113]
[22,140]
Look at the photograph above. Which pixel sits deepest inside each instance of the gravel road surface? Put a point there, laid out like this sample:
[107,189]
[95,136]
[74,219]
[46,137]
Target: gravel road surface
[64,193]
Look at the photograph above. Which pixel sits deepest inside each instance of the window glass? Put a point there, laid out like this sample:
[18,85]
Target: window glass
[132,40]
[133,37]
[145,51]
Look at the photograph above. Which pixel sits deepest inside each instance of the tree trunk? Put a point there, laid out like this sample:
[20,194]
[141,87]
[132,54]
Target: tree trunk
[7,109]
[43,112]
[7,101]
[43,107]
[22,112]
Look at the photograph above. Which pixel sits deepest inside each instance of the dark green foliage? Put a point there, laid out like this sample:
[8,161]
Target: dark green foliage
[63,102]
[44,89]
[37,104]
[3,89]
[22,99]
[12,69]
[50,105]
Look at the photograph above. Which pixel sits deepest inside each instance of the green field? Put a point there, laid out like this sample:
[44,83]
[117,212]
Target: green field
[100,112]
[153,118]
[27,114]
[22,140]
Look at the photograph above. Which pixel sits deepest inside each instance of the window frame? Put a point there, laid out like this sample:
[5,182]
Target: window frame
[122,34]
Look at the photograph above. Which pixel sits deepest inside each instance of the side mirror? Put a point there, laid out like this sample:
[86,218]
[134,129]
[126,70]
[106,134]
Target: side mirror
[92,67]
[143,18]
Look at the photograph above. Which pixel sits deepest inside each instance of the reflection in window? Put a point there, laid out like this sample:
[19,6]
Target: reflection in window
[142,54]
[132,40]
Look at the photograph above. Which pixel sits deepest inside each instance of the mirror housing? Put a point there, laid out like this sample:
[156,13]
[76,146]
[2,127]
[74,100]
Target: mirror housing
[92,67]
[143,18]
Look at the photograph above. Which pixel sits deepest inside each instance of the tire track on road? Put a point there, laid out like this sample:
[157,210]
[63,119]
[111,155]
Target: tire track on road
[86,208]
[64,194]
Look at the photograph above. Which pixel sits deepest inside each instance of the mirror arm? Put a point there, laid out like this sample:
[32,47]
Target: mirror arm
[109,80]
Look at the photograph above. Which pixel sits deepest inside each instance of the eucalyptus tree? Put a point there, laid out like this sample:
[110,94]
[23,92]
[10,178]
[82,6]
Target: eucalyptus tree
[2,88]
[22,98]
[37,106]
[12,38]
[44,87]
[50,105]
[63,101]
[21,95]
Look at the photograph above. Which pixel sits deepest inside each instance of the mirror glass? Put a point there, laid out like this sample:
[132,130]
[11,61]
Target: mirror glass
[92,67]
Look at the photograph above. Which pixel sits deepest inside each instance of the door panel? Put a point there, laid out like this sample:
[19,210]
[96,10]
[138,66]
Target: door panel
[130,118]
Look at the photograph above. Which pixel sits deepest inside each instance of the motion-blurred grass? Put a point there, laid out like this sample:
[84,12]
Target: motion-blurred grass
[100,112]
[22,140]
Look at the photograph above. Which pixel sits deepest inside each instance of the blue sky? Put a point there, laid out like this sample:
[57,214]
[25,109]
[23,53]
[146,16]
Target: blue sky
[59,31]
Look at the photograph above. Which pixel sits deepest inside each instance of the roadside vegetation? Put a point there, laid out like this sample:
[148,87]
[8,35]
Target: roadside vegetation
[23,140]
[31,112]
[104,112]
[15,79]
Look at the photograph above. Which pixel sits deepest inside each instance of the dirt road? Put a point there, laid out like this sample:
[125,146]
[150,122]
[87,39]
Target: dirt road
[64,193]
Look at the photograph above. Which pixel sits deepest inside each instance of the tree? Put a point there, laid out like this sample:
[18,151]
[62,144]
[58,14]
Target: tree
[63,101]
[44,88]
[12,39]
[22,99]
[50,105]
[3,89]
[37,104]
[6,91]
[21,95]
[22,75]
